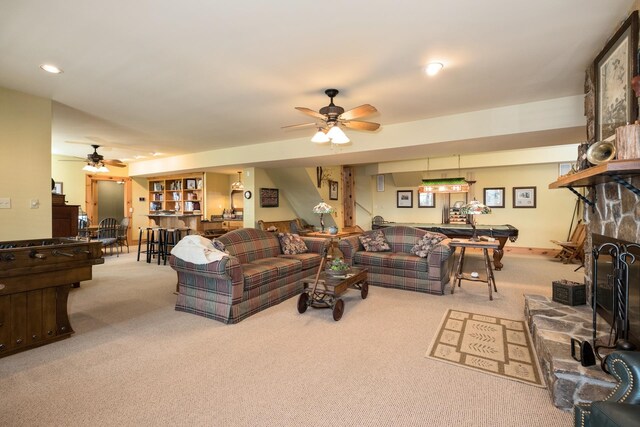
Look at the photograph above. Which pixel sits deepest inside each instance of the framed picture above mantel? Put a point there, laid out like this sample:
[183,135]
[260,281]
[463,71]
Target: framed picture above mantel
[615,66]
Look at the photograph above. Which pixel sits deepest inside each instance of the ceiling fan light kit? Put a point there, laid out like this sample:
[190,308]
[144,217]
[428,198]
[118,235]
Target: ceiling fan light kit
[333,117]
[96,162]
[320,137]
[90,167]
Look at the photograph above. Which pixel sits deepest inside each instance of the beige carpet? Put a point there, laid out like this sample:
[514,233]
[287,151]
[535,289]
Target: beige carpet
[135,361]
[488,344]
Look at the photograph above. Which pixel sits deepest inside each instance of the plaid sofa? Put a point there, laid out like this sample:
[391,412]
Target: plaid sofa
[254,277]
[398,268]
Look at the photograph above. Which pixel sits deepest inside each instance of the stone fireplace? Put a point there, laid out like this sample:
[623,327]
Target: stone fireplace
[615,214]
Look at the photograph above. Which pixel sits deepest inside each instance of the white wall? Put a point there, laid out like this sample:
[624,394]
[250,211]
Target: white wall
[25,165]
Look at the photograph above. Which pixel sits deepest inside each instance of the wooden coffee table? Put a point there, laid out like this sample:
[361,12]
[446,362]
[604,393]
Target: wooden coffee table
[328,290]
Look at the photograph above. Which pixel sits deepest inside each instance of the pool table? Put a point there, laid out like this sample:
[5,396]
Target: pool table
[499,232]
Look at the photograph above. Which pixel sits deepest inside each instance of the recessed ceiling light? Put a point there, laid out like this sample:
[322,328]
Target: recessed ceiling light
[433,68]
[51,69]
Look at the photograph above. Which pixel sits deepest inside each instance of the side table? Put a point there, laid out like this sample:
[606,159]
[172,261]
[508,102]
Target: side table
[459,276]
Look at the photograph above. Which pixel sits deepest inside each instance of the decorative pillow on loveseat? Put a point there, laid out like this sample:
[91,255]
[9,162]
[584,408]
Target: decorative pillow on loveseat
[292,244]
[427,243]
[374,241]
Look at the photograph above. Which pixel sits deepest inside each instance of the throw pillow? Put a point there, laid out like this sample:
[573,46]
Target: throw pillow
[426,244]
[292,244]
[374,241]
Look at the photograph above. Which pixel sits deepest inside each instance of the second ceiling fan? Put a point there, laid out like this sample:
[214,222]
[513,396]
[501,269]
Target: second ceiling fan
[333,116]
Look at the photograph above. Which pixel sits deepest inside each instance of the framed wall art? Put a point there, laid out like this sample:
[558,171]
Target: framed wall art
[494,197]
[405,199]
[333,190]
[615,65]
[269,198]
[524,197]
[426,200]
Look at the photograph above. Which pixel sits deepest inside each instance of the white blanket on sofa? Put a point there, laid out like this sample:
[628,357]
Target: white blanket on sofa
[197,250]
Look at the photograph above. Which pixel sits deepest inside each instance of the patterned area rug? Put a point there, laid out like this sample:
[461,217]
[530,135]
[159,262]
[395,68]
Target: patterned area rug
[489,344]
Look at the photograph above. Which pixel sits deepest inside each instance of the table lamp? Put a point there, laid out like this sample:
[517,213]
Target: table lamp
[322,208]
[474,208]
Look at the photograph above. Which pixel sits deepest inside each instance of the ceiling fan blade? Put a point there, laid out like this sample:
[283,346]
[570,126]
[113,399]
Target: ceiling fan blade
[310,112]
[72,160]
[116,163]
[355,124]
[361,111]
[302,125]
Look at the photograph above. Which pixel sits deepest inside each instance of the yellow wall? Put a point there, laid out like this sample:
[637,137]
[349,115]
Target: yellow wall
[25,165]
[261,179]
[331,173]
[218,188]
[549,220]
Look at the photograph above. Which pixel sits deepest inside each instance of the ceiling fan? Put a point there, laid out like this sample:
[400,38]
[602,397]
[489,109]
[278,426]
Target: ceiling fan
[96,162]
[333,116]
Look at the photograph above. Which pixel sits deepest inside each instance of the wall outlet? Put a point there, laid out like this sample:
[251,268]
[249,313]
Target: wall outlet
[5,203]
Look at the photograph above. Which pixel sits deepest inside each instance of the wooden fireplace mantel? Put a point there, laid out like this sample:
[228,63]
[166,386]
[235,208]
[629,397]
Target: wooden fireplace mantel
[618,171]
[599,174]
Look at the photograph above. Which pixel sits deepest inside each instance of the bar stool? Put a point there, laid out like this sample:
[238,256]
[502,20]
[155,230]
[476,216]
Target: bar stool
[156,245]
[171,237]
[154,239]
[141,231]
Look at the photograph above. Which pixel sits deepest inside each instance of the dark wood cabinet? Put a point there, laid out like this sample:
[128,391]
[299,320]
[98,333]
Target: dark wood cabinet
[64,219]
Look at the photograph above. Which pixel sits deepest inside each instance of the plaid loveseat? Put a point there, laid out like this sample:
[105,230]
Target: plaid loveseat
[398,268]
[254,277]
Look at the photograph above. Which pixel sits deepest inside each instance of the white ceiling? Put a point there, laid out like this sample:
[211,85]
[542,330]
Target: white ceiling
[195,75]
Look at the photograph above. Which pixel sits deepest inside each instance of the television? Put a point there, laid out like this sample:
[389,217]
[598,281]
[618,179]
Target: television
[604,283]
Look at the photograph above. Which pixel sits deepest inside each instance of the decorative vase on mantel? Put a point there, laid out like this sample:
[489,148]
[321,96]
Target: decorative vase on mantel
[333,230]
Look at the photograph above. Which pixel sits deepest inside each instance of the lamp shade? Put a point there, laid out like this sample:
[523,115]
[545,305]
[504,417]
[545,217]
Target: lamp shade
[320,137]
[238,185]
[337,136]
[444,185]
[474,207]
[322,208]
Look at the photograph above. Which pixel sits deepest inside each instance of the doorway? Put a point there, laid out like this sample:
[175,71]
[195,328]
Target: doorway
[108,196]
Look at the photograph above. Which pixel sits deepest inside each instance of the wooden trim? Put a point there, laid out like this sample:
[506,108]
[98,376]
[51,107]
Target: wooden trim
[551,253]
[91,204]
[348,197]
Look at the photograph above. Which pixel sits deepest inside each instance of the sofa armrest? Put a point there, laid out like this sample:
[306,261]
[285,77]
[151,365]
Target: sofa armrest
[625,367]
[439,254]
[222,277]
[315,244]
[349,246]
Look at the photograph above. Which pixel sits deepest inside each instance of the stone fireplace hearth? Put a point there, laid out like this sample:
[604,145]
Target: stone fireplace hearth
[615,214]
[552,326]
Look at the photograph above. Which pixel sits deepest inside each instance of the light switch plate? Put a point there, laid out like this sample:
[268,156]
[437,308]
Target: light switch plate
[5,203]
